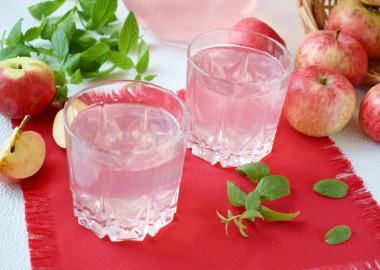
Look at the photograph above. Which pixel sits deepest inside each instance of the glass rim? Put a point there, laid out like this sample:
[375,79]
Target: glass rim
[286,73]
[183,126]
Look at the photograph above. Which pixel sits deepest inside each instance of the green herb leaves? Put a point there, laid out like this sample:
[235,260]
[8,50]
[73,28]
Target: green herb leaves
[331,188]
[338,235]
[94,48]
[254,171]
[269,188]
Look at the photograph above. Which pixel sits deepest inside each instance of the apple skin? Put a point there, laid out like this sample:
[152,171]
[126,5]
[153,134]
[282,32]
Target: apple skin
[353,18]
[343,54]
[27,87]
[317,108]
[369,113]
[252,25]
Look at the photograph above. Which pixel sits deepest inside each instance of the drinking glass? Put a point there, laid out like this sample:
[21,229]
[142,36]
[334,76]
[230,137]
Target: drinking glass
[236,84]
[177,22]
[125,149]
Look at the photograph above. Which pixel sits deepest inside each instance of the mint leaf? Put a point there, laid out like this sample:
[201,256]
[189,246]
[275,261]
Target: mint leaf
[142,58]
[129,34]
[253,201]
[252,214]
[60,45]
[102,11]
[72,63]
[99,73]
[109,29]
[68,27]
[338,235]
[18,50]
[44,9]
[120,60]
[77,77]
[34,32]
[81,41]
[271,215]
[236,196]
[93,53]
[149,78]
[331,188]
[273,187]
[48,29]
[254,171]
[15,36]
[86,6]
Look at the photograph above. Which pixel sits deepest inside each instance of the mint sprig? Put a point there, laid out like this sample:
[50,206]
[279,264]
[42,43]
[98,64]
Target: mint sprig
[87,41]
[269,188]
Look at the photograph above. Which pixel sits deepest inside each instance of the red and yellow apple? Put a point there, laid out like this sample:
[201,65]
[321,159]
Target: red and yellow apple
[335,51]
[22,155]
[369,113]
[319,101]
[254,25]
[360,21]
[27,87]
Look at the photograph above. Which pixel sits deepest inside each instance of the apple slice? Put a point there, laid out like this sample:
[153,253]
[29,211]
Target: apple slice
[58,126]
[59,129]
[22,154]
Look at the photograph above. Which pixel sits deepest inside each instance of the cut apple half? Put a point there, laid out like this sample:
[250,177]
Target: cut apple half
[58,125]
[23,153]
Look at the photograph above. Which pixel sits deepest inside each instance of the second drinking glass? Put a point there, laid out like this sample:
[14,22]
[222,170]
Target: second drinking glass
[236,85]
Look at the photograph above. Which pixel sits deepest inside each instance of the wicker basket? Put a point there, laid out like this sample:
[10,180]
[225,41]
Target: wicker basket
[313,15]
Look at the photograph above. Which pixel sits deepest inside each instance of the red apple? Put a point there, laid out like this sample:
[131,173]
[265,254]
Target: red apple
[319,101]
[335,51]
[369,113]
[249,40]
[27,87]
[360,21]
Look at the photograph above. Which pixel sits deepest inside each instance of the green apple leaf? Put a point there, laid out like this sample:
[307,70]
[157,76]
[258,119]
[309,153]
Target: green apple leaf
[253,201]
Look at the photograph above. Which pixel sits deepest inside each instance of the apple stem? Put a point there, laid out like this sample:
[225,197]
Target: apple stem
[323,80]
[24,121]
[337,34]
[19,66]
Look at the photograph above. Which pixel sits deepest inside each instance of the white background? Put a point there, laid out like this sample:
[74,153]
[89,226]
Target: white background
[170,65]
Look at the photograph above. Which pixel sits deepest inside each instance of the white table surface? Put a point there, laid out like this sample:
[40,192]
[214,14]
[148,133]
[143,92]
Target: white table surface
[170,65]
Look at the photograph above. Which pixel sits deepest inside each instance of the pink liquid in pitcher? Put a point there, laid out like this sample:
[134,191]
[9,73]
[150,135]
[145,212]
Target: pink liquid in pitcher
[234,110]
[126,183]
[179,21]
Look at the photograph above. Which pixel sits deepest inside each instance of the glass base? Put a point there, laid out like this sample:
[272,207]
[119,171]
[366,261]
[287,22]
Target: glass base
[117,233]
[229,159]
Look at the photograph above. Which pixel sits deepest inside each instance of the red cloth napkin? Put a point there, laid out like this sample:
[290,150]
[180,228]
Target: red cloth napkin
[196,239]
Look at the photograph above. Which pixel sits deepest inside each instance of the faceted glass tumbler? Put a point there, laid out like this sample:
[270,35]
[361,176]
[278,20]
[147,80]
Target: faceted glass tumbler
[126,142]
[236,85]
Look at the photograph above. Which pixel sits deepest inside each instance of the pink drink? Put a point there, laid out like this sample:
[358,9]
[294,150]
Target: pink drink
[176,21]
[125,176]
[235,101]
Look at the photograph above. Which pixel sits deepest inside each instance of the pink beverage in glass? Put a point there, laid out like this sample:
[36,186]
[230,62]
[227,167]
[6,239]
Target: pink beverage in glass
[235,96]
[126,147]
[178,21]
